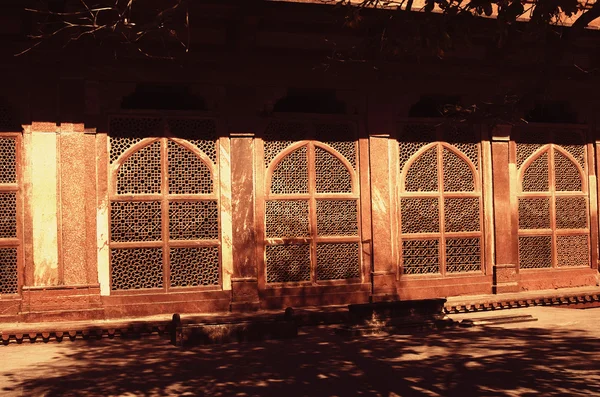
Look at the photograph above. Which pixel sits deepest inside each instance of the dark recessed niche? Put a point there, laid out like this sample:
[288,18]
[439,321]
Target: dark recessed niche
[163,96]
[433,106]
[552,112]
[319,101]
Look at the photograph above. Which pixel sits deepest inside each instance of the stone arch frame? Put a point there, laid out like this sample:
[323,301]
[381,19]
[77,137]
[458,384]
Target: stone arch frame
[554,229]
[444,240]
[184,256]
[313,241]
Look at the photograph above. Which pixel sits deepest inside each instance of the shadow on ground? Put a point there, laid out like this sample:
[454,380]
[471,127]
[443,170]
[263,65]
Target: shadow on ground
[455,362]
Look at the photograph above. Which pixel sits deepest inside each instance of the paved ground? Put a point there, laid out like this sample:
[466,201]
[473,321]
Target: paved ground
[556,355]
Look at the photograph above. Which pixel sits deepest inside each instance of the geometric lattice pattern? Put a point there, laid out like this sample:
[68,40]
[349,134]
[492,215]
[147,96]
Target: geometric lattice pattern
[279,135]
[534,213]
[331,174]
[535,178]
[421,256]
[571,212]
[291,174]
[188,174]
[565,200]
[327,209]
[337,261]
[422,174]
[458,176]
[289,262]
[471,150]
[461,214]
[135,221]
[337,218]
[535,252]
[567,175]
[8,160]
[286,218]
[525,150]
[136,268]
[193,220]
[346,149]
[8,271]
[577,151]
[141,172]
[193,267]
[420,215]
[412,138]
[8,215]
[127,131]
[463,255]
[343,139]
[200,132]
[572,251]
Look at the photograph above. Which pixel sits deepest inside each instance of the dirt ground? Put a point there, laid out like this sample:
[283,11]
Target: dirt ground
[558,355]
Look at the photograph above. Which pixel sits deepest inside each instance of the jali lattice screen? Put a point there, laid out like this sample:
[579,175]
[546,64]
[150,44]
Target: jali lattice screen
[440,199]
[311,202]
[553,205]
[9,237]
[164,209]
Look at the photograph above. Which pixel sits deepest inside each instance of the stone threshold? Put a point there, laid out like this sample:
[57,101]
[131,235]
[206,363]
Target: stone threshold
[571,297]
[160,325]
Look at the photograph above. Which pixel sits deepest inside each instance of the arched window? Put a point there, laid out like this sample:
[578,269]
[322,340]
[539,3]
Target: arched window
[312,230]
[440,202]
[164,210]
[553,206]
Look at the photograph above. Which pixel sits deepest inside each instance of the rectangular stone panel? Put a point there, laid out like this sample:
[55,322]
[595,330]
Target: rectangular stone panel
[286,218]
[572,251]
[421,256]
[337,261]
[288,262]
[337,218]
[135,221]
[535,252]
[194,267]
[8,271]
[136,268]
[420,215]
[534,213]
[571,213]
[463,255]
[193,220]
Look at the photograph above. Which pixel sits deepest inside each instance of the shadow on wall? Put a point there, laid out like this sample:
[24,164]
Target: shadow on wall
[458,362]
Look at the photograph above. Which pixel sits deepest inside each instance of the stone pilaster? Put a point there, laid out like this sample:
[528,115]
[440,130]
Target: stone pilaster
[506,224]
[60,223]
[244,281]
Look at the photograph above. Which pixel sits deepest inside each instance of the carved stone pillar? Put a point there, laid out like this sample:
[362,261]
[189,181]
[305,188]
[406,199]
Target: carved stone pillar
[506,222]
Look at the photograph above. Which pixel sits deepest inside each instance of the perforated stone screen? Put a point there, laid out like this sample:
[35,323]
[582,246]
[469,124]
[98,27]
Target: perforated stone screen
[311,202]
[9,228]
[165,226]
[440,199]
[553,201]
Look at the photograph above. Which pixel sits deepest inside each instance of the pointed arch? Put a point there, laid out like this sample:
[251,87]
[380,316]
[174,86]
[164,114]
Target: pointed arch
[288,172]
[334,173]
[534,174]
[459,172]
[186,163]
[426,161]
[568,173]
